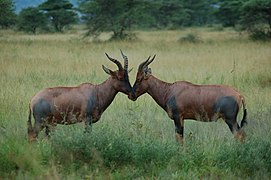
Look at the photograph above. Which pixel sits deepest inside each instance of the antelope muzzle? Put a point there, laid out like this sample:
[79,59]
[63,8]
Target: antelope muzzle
[132,95]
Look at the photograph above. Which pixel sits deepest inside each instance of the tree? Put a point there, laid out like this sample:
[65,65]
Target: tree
[256,18]
[60,12]
[169,14]
[7,15]
[229,12]
[176,13]
[30,19]
[199,12]
[117,16]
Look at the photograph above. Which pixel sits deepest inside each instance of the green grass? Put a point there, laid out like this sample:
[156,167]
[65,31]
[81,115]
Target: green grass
[134,139]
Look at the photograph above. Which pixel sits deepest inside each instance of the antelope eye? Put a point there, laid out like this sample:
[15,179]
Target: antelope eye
[139,79]
[120,77]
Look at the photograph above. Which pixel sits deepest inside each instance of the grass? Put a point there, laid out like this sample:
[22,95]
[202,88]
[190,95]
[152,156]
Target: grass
[134,139]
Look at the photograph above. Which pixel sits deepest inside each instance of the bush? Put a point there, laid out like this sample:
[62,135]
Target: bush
[17,156]
[260,35]
[190,38]
[217,28]
[247,158]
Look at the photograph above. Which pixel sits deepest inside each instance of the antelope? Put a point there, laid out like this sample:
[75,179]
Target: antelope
[69,105]
[184,100]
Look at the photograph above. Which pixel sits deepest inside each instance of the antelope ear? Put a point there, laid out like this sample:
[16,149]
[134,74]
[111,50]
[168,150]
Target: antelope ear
[107,71]
[147,71]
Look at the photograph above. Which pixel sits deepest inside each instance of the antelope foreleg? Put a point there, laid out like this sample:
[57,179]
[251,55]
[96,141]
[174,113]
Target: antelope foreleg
[179,129]
[88,124]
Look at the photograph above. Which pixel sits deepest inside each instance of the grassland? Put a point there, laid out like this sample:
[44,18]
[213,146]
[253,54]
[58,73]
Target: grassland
[134,139]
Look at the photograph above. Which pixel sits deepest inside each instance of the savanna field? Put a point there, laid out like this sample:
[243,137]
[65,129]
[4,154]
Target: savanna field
[135,139]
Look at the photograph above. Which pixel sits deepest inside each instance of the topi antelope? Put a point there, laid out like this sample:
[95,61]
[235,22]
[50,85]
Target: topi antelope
[184,100]
[69,105]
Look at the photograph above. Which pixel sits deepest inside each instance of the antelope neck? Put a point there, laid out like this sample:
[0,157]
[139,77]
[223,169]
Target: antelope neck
[105,93]
[159,90]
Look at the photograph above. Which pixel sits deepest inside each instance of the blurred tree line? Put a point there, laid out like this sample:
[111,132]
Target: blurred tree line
[122,16]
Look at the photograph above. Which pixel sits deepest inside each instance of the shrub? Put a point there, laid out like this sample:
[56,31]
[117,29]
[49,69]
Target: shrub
[190,38]
[247,158]
[260,35]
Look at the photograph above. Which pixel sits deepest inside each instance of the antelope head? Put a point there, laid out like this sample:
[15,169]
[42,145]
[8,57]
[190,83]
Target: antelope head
[120,79]
[141,84]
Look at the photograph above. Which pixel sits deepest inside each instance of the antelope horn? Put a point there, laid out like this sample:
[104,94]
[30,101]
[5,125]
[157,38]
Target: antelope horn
[115,61]
[125,60]
[149,62]
[142,65]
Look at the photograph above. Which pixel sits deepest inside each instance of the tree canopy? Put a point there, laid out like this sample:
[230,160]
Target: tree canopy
[256,18]
[7,13]
[121,17]
[117,16]
[30,19]
[60,12]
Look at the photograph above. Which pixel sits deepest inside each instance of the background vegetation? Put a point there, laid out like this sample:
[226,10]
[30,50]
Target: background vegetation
[135,139]
[122,17]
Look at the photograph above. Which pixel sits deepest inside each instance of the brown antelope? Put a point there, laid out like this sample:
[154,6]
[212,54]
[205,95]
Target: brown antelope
[69,105]
[184,100]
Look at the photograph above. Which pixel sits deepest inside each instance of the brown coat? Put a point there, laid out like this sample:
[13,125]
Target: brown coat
[184,100]
[69,105]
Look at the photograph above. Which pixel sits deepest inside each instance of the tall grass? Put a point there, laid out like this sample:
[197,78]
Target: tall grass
[134,139]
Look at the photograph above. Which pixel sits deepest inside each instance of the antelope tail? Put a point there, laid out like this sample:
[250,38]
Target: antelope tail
[244,120]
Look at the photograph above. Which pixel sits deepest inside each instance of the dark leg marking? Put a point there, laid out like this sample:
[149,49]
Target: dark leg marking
[89,111]
[47,131]
[41,111]
[175,115]
[88,124]
[228,107]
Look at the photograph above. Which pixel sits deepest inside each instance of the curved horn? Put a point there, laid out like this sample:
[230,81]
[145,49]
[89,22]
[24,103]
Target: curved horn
[142,65]
[125,60]
[115,61]
[149,62]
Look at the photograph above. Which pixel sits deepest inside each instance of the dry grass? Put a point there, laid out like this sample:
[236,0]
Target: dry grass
[29,63]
